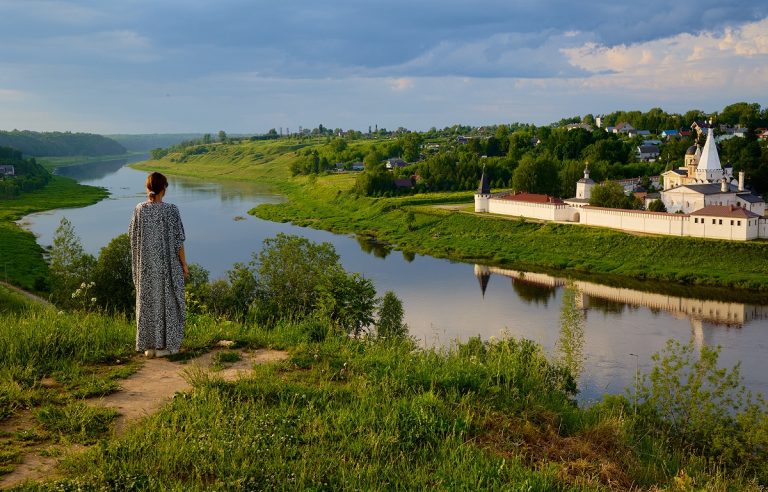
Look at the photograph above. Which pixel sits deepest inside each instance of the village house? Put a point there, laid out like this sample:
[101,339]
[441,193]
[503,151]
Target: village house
[7,170]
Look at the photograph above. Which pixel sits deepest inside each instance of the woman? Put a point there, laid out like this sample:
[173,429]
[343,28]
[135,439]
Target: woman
[159,270]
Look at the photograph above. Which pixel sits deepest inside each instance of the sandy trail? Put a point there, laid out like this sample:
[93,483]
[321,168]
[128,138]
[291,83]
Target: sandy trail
[142,394]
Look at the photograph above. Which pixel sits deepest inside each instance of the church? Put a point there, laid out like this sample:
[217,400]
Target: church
[702,182]
[702,200]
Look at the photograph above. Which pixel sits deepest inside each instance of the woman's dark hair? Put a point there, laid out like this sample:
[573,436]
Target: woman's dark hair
[156,183]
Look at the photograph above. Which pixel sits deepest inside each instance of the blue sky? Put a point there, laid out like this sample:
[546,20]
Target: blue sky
[140,66]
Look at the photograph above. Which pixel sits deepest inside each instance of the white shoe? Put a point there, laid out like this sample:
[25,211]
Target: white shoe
[150,354]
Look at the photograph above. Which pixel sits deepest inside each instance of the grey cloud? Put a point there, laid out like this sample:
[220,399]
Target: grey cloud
[356,37]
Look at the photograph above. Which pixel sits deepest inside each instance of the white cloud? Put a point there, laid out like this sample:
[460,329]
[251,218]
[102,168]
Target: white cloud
[732,60]
[401,84]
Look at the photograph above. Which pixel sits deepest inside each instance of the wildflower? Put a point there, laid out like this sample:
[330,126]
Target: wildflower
[83,286]
[93,299]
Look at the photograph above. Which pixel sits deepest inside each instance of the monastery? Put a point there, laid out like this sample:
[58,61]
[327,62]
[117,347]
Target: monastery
[702,199]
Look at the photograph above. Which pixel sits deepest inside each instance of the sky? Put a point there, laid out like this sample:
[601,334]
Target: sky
[176,66]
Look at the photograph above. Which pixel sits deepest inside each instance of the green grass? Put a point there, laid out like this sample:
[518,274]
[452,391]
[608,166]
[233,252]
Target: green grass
[349,414]
[341,414]
[21,258]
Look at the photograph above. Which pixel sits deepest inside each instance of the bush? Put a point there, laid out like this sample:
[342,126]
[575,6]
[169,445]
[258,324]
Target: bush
[694,403]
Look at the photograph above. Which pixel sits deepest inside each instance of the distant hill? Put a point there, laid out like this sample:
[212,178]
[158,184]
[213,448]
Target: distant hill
[147,142]
[55,144]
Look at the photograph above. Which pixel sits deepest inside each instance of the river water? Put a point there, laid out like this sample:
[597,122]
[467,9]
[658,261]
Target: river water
[446,300]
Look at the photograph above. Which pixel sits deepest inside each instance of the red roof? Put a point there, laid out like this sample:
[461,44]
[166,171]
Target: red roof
[726,211]
[531,198]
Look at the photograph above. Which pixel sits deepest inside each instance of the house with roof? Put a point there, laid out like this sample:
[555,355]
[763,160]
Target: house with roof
[395,164]
[670,134]
[7,170]
[638,133]
[647,153]
[623,127]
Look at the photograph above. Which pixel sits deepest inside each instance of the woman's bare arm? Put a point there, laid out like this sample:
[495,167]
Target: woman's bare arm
[183,260]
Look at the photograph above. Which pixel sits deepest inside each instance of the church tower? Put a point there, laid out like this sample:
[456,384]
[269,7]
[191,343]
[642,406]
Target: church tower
[709,169]
[584,185]
[483,193]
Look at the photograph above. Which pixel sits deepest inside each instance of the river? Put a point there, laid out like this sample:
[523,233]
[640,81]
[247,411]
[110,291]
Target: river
[444,300]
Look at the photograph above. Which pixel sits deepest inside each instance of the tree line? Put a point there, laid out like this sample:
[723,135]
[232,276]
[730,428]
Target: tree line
[50,144]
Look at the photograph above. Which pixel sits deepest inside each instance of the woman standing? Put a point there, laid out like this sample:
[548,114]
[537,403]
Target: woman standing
[159,270]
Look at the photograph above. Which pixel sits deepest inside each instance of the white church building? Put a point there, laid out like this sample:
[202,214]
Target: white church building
[702,200]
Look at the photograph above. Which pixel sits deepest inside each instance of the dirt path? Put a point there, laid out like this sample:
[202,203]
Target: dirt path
[32,297]
[142,394]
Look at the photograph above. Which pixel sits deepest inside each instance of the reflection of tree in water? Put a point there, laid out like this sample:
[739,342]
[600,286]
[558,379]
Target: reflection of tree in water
[606,305]
[376,248]
[533,293]
[91,170]
[570,344]
[409,256]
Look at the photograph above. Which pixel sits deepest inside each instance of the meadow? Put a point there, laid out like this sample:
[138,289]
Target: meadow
[21,258]
[340,414]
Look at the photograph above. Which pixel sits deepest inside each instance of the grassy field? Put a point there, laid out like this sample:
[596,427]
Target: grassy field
[339,414]
[21,258]
[414,224]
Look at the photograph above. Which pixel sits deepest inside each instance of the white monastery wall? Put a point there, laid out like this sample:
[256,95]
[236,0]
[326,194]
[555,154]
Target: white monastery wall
[543,211]
[638,221]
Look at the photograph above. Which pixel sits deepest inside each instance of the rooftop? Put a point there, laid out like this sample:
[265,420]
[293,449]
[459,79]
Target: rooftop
[531,198]
[725,211]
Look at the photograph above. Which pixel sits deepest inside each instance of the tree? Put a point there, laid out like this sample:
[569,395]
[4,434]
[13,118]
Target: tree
[114,289]
[348,301]
[411,145]
[657,206]
[536,175]
[611,195]
[222,136]
[291,269]
[390,324]
[70,265]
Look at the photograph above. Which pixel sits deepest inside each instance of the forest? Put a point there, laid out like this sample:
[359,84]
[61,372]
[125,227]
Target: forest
[49,144]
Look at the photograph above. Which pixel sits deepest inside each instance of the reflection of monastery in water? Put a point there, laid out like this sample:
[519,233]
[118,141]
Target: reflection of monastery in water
[593,295]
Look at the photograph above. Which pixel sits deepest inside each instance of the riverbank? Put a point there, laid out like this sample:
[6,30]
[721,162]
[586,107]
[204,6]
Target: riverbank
[415,224]
[21,258]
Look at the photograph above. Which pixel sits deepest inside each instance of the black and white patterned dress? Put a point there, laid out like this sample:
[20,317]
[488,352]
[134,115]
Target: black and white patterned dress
[157,235]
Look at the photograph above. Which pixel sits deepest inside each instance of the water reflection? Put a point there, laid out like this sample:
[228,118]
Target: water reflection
[94,170]
[377,248]
[539,287]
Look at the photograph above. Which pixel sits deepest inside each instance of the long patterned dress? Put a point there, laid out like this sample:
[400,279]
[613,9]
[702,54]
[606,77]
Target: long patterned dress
[157,235]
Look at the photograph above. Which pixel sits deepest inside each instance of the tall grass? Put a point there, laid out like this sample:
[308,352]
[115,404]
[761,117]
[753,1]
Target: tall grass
[40,343]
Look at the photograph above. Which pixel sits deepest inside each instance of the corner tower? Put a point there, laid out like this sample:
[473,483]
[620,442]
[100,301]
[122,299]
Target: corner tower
[483,193]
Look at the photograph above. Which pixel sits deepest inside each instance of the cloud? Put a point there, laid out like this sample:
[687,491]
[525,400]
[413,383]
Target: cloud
[732,60]
[401,84]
